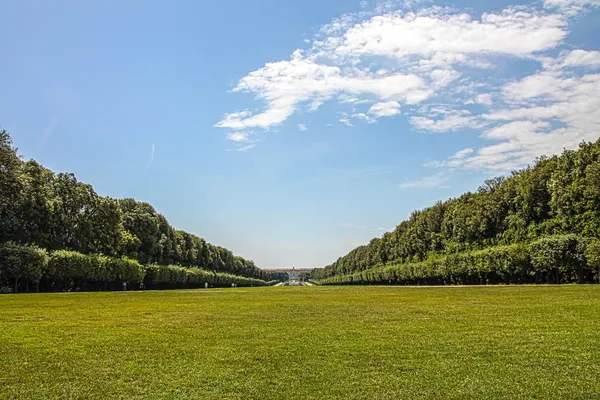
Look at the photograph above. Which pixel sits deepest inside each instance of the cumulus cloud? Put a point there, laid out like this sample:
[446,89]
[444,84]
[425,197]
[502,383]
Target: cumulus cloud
[345,119]
[423,45]
[302,128]
[484,98]
[435,31]
[385,109]
[238,136]
[567,3]
[571,6]
[577,58]
[406,60]
[459,155]
[450,122]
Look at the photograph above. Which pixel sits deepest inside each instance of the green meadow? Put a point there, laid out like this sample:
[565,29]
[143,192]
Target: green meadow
[369,342]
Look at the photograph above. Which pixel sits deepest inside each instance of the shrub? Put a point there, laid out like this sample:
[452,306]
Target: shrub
[65,265]
[491,265]
[125,269]
[560,258]
[592,255]
[164,276]
[22,262]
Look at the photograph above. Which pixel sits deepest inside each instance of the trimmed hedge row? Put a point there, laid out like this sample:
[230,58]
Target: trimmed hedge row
[174,276]
[21,263]
[65,270]
[555,259]
[67,265]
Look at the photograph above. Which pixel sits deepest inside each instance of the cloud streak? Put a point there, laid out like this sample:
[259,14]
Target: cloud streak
[47,133]
[151,160]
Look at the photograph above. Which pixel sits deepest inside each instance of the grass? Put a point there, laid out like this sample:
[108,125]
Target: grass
[304,343]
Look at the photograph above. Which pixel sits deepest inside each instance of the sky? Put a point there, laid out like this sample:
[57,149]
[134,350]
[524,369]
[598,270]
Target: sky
[291,132]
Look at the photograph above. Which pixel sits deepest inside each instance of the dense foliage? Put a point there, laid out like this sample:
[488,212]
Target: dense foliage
[277,276]
[43,210]
[551,211]
[558,259]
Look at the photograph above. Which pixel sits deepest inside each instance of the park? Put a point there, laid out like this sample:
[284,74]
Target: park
[376,199]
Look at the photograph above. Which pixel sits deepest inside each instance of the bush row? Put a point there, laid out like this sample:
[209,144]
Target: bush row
[174,276]
[64,270]
[555,259]
[26,263]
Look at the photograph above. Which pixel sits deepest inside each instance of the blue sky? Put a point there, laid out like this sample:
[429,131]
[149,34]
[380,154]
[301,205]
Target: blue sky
[291,132]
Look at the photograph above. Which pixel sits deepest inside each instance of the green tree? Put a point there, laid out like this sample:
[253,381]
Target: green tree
[592,254]
[10,187]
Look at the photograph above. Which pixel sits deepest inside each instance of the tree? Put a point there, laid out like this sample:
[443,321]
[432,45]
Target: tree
[22,262]
[10,187]
[592,254]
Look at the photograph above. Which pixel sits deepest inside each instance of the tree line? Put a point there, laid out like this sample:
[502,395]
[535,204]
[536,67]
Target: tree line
[548,213]
[51,212]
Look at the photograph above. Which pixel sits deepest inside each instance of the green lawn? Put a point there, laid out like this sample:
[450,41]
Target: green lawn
[304,342]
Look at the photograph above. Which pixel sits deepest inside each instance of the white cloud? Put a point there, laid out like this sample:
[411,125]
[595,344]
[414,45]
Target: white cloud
[238,136]
[433,181]
[351,100]
[399,35]
[333,67]
[484,98]
[564,3]
[344,119]
[539,85]
[302,127]
[459,155]
[385,109]
[451,122]
[582,58]
[529,129]
[571,8]
[367,118]
[434,164]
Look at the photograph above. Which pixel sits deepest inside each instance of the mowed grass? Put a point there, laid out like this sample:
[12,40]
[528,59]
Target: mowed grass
[304,343]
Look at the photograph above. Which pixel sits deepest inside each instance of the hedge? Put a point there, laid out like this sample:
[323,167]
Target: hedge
[17,262]
[174,276]
[592,255]
[560,257]
[65,270]
[554,259]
